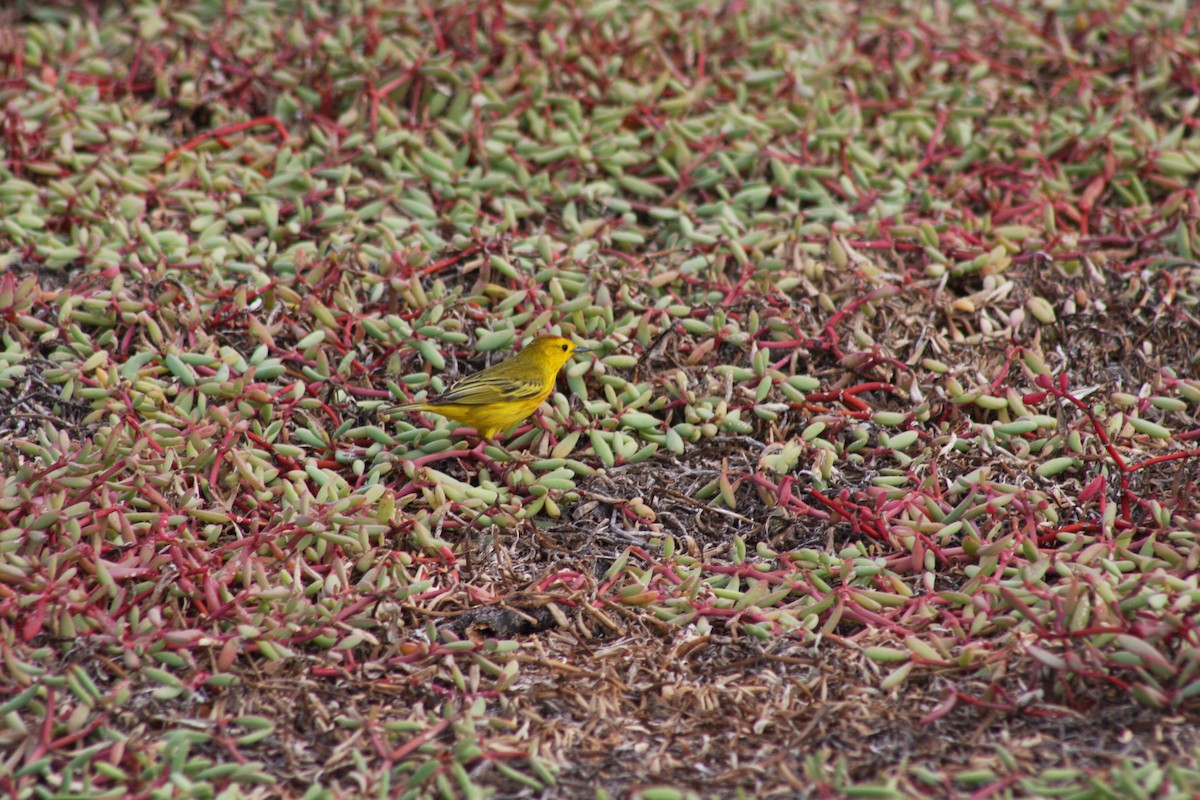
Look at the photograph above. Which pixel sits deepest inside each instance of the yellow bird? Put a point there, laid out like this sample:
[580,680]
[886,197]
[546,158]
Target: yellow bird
[503,394]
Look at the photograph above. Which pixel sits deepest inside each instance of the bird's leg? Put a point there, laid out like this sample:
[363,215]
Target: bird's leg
[475,452]
[503,466]
[525,456]
[520,458]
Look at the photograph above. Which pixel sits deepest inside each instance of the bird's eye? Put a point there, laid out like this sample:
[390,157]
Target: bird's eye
[564,347]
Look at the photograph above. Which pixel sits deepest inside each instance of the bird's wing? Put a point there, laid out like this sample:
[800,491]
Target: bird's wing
[481,389]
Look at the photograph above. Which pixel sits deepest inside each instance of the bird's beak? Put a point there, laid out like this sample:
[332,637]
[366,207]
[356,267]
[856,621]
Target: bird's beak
[585,349]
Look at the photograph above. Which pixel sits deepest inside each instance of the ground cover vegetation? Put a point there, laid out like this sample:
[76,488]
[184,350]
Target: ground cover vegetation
[881,481]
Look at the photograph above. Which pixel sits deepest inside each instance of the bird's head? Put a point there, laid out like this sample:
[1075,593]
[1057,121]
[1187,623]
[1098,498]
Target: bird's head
[551,350]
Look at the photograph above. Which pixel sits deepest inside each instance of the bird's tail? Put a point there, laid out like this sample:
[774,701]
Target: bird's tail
[389,410]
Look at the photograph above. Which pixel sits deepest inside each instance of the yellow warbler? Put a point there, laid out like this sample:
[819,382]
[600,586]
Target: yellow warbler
[503,394]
